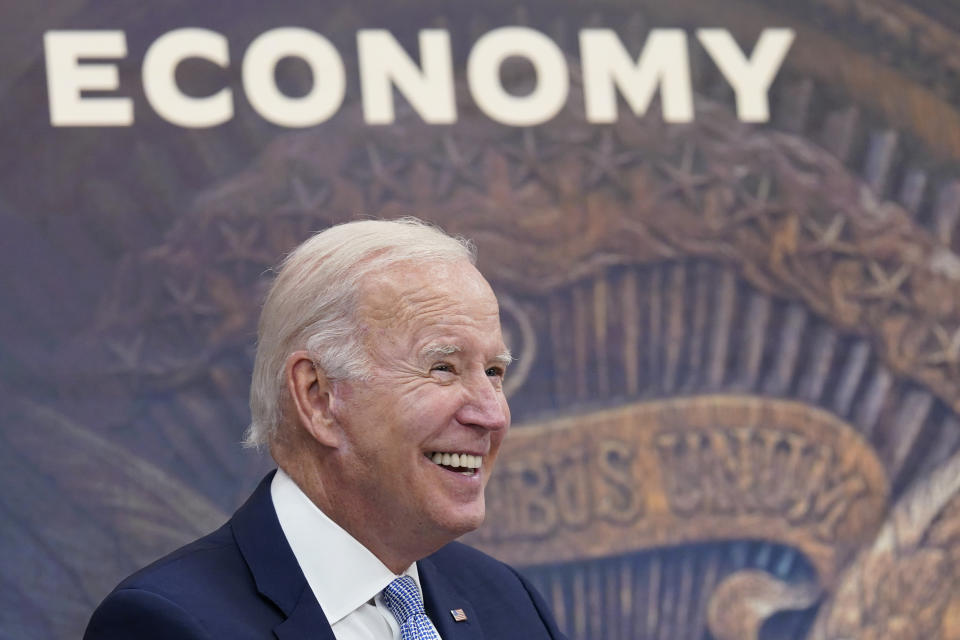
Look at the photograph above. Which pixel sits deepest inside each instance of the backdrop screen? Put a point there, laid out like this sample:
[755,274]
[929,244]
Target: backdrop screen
[724,237]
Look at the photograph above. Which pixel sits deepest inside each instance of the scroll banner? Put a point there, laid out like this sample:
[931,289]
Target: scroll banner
[685,471]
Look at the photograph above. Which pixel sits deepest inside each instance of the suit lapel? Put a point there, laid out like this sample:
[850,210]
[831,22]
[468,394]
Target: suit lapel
[274,567]
[440,598]
[306,620]
[279,579]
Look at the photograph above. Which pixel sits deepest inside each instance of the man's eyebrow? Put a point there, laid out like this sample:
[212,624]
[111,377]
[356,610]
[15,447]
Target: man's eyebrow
[433,350]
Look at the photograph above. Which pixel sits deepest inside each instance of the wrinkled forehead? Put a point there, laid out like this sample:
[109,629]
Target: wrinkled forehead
[427,291]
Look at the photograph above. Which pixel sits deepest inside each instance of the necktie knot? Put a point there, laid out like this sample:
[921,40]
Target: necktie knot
[402,597]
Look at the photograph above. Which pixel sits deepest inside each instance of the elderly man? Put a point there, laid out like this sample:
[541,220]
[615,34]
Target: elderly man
[378,387]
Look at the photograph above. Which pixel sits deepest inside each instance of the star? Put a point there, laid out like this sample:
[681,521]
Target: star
[129,353]
[456,167]
[186,304]
[752,204]
[682,179]
[947,352]
[243,246]
[885,287]
[606,162]
[309,198]
[528,161]
[381,176]
[828,239]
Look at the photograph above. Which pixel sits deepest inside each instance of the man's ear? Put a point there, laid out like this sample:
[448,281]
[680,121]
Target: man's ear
[312,395]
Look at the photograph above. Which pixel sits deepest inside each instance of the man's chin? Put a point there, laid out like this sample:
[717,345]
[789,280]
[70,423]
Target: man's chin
[461,522]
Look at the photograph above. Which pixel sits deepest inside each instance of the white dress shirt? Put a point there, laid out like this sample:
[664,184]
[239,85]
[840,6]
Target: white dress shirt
[345,577]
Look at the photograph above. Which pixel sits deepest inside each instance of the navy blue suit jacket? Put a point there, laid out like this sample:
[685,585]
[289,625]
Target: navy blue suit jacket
[243,582]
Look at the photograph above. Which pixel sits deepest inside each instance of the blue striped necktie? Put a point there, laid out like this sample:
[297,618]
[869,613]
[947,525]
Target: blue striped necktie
[402,597]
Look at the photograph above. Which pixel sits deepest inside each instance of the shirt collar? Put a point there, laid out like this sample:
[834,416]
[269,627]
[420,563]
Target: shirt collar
[342,573]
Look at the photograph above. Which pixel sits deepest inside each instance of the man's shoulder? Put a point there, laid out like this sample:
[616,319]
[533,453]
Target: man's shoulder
[202,590]
[216,557]
[209,557]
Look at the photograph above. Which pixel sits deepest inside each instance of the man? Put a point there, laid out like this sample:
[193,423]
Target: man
[378,388]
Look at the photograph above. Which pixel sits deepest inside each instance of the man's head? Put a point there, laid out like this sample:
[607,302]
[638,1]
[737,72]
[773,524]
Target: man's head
[379,351]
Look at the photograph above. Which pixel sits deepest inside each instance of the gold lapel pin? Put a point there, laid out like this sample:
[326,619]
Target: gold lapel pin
[458,615]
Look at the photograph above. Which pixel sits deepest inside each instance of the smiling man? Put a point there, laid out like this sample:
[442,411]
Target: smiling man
[378,388]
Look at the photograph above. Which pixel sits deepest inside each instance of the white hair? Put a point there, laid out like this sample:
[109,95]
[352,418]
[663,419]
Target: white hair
[312,302]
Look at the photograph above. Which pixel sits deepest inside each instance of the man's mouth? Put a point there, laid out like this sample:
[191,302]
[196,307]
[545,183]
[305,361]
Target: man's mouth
[462,463]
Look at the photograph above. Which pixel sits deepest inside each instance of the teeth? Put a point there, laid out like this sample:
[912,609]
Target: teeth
[457,460]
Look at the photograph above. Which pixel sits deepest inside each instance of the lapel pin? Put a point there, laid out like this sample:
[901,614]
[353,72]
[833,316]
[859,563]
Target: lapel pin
[458,615]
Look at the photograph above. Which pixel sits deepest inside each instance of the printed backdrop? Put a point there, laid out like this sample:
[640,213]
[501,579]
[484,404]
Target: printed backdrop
[737,392]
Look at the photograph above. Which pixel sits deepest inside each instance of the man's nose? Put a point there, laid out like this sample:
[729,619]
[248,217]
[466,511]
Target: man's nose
[484,404]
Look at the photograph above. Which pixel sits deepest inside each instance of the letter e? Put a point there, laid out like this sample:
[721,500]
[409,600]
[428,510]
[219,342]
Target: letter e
[67,78]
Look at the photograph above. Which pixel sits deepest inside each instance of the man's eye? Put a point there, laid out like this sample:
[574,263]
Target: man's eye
[446,368]
[495,372]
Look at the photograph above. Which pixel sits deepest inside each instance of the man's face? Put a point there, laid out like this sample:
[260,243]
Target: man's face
[437,359]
